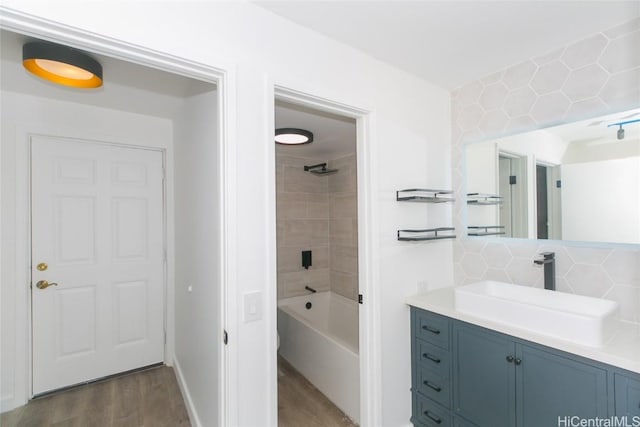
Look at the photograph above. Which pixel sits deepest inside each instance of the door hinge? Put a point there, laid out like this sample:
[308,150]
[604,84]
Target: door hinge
[165,337]
[359,298]
[225,337]
[512,179]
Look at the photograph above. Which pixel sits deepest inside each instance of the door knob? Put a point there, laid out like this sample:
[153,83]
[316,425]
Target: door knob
[42,266]
[43,284]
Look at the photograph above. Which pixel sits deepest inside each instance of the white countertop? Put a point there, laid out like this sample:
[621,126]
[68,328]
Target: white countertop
[622,350]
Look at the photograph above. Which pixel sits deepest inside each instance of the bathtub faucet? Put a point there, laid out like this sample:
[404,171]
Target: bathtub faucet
[310,289]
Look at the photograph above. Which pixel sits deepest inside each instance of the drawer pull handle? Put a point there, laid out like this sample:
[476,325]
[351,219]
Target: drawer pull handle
[432,386]
[510,359]
[430,357]
[518,361]
[433,417]
[430,329]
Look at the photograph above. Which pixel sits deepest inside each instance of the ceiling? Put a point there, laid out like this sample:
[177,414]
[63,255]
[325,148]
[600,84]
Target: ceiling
[127,86]
[450,43]
[333,136]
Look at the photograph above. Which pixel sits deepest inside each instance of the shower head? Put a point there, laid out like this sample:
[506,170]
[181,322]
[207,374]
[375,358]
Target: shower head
[320,169]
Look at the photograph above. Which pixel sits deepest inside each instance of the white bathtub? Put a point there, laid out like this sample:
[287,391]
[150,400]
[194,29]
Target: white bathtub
[322,344]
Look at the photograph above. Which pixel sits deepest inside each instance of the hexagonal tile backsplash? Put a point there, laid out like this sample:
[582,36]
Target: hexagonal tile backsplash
[594,76]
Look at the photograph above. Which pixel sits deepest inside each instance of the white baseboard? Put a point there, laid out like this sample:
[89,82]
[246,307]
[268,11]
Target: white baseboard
[191,410]
[7,403]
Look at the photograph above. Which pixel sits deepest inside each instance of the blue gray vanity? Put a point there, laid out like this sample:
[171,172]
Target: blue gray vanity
[473,371]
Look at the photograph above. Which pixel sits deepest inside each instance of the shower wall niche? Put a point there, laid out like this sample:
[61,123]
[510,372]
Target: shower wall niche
[317,213]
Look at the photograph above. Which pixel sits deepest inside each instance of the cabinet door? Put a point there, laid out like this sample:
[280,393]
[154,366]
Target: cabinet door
[550,386]
[484,381]
[627,392]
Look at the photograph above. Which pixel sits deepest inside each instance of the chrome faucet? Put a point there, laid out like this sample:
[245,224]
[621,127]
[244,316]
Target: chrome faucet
[549,262]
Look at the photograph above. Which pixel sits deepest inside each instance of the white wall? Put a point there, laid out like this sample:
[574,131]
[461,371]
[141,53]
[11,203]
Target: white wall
[197,254]
[22,114]
[408,146]
[482,177]
[597,204]
[541,145]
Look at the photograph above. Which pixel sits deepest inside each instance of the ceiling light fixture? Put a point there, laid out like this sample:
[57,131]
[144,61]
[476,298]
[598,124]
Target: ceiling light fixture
[62,65]
[620,133]
[293,136]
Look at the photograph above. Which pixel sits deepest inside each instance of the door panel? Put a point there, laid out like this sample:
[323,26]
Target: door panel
[74,227]
[130,234]
[97,221]
[552,386]
[75,309]
[130,320]
[484,381]
[627,395]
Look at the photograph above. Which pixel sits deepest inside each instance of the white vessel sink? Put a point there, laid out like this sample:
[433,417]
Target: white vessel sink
[580,319]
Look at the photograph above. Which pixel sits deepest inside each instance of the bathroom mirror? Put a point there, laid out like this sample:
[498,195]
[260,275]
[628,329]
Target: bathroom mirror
[579,182]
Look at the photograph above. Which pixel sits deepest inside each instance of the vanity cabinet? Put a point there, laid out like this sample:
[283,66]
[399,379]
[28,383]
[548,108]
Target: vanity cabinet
[431,369]
[499,381]
[469,376]
[627,395]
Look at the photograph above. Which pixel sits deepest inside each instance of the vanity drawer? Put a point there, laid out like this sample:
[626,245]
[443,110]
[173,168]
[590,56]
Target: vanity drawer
[434,386]
[432,328]
[432,357]
[430,414]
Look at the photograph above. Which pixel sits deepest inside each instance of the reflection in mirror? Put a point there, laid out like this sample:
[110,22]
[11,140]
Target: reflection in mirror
[579,182]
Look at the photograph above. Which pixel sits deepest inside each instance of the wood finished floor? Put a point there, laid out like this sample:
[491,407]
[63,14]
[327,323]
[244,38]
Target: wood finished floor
[300,404]
[149,398]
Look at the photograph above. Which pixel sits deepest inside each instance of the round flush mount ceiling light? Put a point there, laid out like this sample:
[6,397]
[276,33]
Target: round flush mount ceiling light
[62,65]
[293,136]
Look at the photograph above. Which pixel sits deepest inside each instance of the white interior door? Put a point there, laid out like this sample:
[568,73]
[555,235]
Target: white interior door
[97,224]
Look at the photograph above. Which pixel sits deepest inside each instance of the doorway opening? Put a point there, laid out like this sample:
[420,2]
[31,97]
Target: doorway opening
[174,111]
[512,185]
[542,205]
[548,201]
[317,274]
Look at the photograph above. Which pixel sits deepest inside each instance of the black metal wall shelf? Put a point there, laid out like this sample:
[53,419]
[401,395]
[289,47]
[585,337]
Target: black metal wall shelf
[485,230]
[483,199]
[426,234]
[424,195]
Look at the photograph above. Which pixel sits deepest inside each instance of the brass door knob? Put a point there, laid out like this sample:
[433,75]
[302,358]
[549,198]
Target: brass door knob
[43,284]
[42,266]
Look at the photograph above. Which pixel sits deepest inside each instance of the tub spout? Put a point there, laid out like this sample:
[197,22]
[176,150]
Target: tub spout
[310,289]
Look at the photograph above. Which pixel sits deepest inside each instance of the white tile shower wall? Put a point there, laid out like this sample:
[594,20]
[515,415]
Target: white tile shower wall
[302,209]
[343,227]
[317,213]
[597,75]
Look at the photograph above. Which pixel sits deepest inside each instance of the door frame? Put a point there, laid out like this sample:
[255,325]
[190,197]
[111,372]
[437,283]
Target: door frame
[167,353]
[368,286]
[523,224]
[223,76]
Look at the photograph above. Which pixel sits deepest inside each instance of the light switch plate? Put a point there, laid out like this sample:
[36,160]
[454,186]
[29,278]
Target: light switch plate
[252,306]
